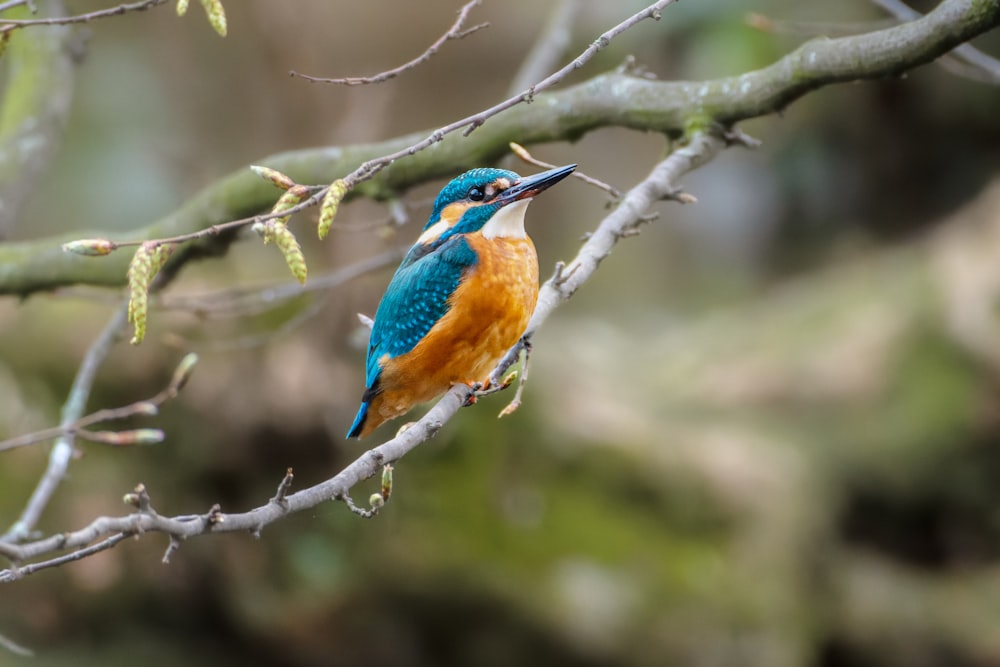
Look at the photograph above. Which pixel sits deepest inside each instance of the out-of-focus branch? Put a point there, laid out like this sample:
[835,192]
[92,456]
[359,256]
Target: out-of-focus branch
[35,104]
[549,47]
[11,4]
[773,25]
[15,648]
[971,62]
[105,532]
[456,31]
[62,451]
[250,300]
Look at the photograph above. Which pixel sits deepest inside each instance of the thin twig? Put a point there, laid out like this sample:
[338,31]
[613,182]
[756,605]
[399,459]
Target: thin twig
[77,427]
[812,28]
[515,402]
[24,570]
[286,483]
[456,31]
[523,153]
[7,25]
[370,513]
[10,4]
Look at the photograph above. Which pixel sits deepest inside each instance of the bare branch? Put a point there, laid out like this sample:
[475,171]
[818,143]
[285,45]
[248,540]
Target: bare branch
[456,31]
[522,152]
[144,408]
[16,573]
[7,25]
[515,403]
[62,450]
[286,483]
[11,4]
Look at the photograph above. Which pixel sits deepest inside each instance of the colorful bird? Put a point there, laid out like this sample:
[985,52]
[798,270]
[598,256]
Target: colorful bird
[461,297]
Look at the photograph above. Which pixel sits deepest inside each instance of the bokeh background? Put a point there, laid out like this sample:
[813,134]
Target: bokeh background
[766,433]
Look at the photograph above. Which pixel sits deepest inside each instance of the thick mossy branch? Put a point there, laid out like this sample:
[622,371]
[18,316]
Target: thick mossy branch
[613,99]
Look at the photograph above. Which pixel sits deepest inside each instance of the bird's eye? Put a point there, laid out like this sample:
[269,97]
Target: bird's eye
[476,193]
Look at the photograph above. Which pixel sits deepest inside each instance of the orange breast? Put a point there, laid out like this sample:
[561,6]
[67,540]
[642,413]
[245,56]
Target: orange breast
[489,312]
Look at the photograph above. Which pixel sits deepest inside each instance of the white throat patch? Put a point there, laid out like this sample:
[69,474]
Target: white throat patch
[508,222]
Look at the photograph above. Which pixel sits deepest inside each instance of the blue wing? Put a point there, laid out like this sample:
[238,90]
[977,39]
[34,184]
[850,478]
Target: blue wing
[417,297]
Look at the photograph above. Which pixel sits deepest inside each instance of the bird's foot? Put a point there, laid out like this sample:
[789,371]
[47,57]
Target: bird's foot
[480,389]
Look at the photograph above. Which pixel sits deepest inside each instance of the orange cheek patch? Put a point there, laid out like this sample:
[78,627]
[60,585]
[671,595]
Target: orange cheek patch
[452,213]
[450,216]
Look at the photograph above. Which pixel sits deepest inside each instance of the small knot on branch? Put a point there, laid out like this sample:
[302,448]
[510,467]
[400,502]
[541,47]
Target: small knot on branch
[214,516]
[139,499]
[172,546]
[279,496]
[736,137]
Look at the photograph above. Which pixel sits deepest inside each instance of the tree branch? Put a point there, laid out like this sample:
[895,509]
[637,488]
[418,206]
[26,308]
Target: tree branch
[7,25]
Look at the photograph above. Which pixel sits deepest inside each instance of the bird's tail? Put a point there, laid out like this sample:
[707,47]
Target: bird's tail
[359,421]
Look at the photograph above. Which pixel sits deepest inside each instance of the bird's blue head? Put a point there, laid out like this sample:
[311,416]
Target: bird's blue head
[487,200]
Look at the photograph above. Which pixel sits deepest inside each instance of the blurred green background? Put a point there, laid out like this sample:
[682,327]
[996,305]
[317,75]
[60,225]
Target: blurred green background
[766,433]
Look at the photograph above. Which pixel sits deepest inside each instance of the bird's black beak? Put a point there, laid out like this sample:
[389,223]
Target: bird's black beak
[529,186]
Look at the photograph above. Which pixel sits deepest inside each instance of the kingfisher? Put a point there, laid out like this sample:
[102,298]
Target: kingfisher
[461,297]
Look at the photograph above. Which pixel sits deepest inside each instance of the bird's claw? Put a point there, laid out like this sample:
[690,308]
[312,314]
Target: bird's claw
[490,386]
[472,397]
